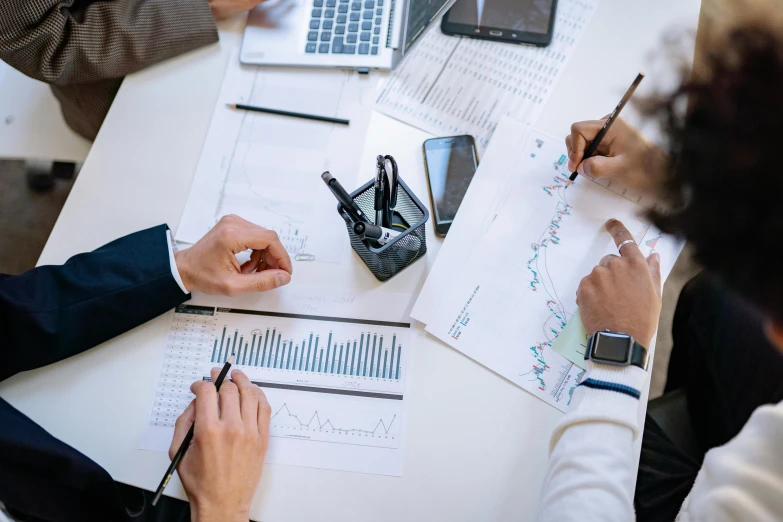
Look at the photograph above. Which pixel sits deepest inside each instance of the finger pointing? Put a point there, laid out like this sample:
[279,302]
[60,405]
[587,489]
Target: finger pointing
[620,234]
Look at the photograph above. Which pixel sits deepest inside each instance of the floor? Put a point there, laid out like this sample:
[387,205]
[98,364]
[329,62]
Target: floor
[26,217]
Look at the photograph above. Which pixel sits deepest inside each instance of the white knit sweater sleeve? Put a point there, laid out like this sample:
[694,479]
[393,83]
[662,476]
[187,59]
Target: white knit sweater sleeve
[592,464]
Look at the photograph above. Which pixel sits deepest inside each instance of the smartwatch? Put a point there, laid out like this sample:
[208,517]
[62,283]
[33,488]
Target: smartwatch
[616,349]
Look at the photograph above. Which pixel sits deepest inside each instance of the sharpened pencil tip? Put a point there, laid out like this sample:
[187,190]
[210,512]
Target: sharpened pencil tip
[231,359]
[231,105]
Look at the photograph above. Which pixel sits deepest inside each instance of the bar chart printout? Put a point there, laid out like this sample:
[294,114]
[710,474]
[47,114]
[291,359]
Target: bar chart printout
[336,385]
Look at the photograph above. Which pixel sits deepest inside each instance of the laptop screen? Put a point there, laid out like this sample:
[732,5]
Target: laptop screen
[420,14]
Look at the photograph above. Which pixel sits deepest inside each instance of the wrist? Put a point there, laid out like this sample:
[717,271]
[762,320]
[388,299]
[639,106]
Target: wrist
[182,260]
[657,165]
[206,513]
[630,376]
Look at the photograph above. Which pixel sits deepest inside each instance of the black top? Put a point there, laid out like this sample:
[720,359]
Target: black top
[49,314]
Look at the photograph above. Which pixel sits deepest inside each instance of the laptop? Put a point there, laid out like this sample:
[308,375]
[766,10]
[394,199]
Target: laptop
[360,34]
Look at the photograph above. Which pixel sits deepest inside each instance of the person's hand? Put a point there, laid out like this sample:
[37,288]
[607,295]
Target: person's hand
[222,9]
[623,293]
[211,266]
[623,154]
[222,467]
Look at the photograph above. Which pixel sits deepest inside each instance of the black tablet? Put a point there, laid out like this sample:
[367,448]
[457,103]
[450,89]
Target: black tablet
[517,21]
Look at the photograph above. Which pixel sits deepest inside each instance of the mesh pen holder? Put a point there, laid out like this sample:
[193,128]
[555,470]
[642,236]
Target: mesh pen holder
[390,259]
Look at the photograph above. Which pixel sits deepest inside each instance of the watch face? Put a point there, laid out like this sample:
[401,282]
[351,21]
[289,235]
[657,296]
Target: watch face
[612,347]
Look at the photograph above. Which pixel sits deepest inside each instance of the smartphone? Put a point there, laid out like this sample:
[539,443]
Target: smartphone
[510,21]
[450,164]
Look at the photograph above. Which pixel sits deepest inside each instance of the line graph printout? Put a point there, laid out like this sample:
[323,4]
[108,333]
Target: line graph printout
[450,86]
[266,168]
[336,386]
[517,290]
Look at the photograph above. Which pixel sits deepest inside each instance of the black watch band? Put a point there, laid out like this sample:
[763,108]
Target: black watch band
[639,356]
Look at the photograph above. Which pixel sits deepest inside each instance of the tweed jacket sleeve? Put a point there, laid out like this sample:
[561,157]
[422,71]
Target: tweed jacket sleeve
[67,42]
[84,48]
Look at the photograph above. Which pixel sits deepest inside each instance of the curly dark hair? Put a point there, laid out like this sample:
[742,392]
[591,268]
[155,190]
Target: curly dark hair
[725,180]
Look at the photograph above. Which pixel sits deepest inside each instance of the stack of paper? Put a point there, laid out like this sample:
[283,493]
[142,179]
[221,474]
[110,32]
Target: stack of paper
[449,86]
[504,285]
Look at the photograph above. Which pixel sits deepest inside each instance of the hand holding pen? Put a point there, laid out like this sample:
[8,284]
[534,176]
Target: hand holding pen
[624,154]
[607,124]
[223,465]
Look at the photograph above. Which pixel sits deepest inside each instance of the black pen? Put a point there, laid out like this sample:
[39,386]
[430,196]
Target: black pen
[188,438]
[327,119]
[354,211]
[615,113]
[391,198]
[379,195]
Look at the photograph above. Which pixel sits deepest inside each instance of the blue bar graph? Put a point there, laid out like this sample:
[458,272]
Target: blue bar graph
[378,365]
[366,356]
[359,364]
[220,353]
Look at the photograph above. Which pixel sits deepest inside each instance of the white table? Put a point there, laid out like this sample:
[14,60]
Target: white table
[476,444]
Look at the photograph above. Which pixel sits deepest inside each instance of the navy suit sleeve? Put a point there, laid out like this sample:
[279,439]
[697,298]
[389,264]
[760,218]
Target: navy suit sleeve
[53,312]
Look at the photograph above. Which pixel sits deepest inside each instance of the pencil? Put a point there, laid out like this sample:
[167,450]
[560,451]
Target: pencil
[615,113]
[188,438]
[279,112]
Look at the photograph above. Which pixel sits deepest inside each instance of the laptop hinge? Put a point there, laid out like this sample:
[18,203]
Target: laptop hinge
[393,36]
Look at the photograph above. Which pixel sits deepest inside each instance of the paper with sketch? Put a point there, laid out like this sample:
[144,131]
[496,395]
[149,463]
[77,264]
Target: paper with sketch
[266,168]
[449,86]
[517,289]
[571,343]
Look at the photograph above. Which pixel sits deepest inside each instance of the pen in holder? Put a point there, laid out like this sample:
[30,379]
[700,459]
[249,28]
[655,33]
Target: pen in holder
[386,261]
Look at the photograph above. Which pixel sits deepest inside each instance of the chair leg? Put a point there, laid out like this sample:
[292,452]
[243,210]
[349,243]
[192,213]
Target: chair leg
[63,170]
[42,176]
[40,181]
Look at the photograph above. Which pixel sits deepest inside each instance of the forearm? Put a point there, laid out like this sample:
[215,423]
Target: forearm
[53,312]
[69,42]
[592,463]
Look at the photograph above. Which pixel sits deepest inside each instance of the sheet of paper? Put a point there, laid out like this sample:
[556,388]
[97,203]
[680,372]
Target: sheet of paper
[449,86]
[571,342]
[516,292]
[337,385]
[475,214]
[266,168]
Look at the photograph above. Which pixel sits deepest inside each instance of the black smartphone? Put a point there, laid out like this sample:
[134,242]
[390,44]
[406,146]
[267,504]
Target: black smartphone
[511,21]
[450,164]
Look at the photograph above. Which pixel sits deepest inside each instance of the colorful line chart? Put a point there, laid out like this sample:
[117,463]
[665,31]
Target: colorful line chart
[517,290]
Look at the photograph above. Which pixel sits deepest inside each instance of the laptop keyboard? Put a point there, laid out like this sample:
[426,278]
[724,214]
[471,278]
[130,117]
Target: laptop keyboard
[345,27]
